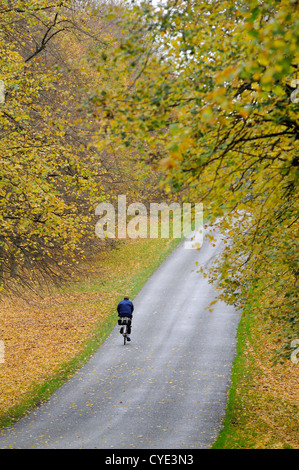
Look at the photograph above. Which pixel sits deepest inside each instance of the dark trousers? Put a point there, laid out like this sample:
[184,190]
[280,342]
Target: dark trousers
[125,321]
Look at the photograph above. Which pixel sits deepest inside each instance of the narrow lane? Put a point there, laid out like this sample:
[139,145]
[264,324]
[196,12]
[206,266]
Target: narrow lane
[167,389]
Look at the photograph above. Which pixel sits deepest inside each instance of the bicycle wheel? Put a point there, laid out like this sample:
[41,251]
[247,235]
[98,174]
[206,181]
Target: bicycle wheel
[125,334]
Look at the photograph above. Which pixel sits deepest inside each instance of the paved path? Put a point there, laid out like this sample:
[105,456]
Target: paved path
[167,389]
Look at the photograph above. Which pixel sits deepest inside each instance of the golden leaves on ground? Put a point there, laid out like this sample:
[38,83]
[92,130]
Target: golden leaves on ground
[264,411]
[39,337]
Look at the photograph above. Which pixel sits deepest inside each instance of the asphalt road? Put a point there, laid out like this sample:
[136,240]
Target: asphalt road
[167,389]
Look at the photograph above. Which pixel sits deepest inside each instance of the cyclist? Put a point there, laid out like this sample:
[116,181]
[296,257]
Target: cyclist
[125,308]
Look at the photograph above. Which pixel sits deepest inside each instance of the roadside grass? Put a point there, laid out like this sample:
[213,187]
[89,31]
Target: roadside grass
[262,407]
[47,340]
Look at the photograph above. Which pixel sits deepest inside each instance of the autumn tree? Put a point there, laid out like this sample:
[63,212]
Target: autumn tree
[48,181]
[211,102]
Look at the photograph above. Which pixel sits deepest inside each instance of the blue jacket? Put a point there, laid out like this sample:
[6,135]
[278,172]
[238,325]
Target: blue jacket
[125,308]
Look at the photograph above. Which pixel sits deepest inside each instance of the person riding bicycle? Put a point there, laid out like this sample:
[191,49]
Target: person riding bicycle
[125,308]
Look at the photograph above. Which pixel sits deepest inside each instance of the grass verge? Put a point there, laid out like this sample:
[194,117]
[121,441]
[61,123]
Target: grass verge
[262,407]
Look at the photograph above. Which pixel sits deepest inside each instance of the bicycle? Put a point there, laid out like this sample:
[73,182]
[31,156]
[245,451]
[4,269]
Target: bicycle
[125,330]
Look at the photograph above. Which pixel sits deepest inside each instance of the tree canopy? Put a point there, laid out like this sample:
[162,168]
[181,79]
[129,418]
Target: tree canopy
[211,102]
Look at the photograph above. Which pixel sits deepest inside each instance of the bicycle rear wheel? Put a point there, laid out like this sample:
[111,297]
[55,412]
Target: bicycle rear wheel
[125,334]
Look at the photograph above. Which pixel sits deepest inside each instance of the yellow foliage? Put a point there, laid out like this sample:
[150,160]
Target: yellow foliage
[213,105]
